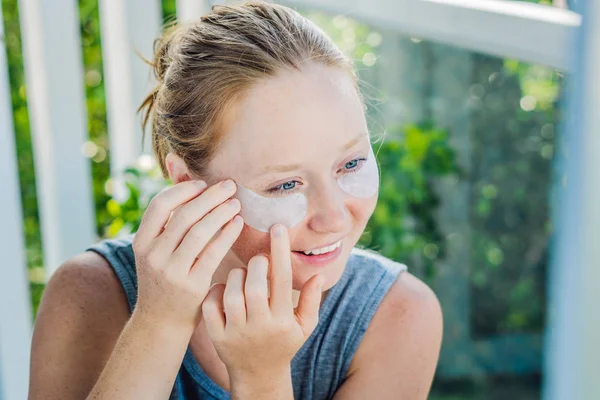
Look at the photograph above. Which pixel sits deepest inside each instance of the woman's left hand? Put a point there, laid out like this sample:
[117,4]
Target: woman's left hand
[258,336]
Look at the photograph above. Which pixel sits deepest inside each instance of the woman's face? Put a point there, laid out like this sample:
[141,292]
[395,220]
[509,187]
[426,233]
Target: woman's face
[298,133]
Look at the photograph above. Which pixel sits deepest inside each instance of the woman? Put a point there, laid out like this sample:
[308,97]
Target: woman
[243,280]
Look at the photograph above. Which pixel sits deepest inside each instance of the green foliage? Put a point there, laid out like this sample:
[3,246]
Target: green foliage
[403,226]
[142,184]
[31,226]
[513,121]
[97,146]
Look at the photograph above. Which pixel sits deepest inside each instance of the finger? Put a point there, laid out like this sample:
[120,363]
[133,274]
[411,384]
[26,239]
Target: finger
[210,259]
[233,299]
[202,232]
[212,311]
[256,290]
[189,214]
[159,210]
[309,303]
[281,272]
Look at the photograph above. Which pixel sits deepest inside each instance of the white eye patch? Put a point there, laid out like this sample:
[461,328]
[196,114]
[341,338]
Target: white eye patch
[261,213]
[363,183]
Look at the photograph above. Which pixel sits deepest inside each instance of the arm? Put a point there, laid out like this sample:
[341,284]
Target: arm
[186,231]
[81,320]
[397,357]
[144,363]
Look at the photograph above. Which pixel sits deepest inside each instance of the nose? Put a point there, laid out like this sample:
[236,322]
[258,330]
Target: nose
[329,213]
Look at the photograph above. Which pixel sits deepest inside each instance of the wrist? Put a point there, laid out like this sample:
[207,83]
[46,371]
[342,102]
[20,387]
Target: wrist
[144,322]
[271,383]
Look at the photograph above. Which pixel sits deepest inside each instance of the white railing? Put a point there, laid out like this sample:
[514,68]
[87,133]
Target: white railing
[127,33]
[56,102]
[52,57]
[189,10]
[15,306]
[511,29]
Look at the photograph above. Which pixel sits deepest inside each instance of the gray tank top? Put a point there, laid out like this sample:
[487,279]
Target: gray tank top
[320,366]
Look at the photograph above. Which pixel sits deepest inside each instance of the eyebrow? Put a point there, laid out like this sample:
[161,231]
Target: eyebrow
[286,168]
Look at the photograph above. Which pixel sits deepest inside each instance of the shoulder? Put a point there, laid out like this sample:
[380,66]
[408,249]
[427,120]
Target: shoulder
[82,312]
[406,288]
[409,298]
[402,339]
[87,279]
[84,268]
[407,305]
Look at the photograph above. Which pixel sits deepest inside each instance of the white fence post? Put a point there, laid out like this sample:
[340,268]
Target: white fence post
[189,10]
[54,77]
[573,351]
[127,28]
[15,303]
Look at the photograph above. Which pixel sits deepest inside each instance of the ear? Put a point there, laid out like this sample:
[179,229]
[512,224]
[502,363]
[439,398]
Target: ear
[178,171]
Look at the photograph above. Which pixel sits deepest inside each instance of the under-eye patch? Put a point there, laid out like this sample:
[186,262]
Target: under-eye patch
[363,183]
[262,213]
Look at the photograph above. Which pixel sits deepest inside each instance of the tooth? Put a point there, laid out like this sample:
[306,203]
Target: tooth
[324,249]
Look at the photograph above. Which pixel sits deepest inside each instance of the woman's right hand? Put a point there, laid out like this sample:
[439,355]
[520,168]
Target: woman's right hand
[175,263]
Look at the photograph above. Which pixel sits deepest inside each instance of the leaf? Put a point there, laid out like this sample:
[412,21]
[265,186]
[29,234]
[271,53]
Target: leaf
[113,208]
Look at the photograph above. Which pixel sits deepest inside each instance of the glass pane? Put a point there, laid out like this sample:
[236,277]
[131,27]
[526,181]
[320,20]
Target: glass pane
[512,124]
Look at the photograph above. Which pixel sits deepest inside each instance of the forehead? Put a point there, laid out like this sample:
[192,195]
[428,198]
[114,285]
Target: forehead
[295,117]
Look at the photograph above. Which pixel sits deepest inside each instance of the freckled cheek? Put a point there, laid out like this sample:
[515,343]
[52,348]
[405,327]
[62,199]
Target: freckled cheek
[361,210]
[250,243]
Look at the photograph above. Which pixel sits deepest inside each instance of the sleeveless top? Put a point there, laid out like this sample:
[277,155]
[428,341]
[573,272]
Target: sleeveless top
[320,366]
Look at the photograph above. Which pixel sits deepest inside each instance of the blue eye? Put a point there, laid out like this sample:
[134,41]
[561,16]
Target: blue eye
[288,186]
[353,166]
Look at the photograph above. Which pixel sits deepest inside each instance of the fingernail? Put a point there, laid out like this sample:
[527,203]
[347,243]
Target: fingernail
[278,230]
[228,184]
[200,184]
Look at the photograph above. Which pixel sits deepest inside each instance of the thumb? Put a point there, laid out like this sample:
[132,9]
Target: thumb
[309,303]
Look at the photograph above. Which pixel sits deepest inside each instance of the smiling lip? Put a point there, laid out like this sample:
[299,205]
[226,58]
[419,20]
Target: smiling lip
[319,247]
[319,260]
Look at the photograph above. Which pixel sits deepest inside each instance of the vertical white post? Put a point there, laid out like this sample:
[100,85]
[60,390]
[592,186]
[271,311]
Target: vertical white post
[573,350]
[15,304]
[190,10]
[127,28]
[54,77]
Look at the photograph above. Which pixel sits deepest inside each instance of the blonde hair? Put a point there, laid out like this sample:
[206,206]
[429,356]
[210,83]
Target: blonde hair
[203,67]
